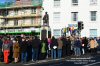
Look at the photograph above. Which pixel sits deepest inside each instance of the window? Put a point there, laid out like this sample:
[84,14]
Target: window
[74,16]
[31,21]
[56,16]
[25,2]
[93,32]
[33,10]
[56,3]
[0,13]
[16,12]
[93,15]
[74,2]
[15,22]
[56,33]
[5,13]
[93,2]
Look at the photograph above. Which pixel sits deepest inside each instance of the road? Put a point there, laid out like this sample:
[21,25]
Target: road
[84,60]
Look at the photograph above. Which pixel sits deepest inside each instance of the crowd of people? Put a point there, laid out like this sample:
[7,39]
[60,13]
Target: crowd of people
[24,49]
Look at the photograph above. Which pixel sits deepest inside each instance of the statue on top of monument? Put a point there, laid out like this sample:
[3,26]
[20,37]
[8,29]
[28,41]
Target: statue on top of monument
[46,19]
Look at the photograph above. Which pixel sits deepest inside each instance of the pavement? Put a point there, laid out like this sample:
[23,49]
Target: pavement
[84,60]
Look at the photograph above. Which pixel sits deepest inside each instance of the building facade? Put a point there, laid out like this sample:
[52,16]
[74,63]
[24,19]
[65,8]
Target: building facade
[20,16]
[67,13]
[25,16]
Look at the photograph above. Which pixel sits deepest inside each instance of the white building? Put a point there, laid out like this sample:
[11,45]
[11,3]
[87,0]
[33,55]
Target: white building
[63,13]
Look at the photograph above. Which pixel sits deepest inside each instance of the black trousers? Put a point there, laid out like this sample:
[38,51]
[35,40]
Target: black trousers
[92,50]
[64,51]
[43,56]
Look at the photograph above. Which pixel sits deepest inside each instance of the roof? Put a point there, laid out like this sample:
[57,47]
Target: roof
[14,4]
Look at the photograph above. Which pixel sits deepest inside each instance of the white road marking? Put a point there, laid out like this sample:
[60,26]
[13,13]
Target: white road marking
[29,64]
[92,64]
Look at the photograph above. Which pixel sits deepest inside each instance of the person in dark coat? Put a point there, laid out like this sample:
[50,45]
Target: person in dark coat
[35,48]
[84,45]
[1,54]
[11,49]
[64,51]
[53,46]
[29,50]
[77,47]
[23,48]
[68,46]
[98,41]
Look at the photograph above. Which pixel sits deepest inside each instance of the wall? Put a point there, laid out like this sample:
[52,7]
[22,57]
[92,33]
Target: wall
[66,8]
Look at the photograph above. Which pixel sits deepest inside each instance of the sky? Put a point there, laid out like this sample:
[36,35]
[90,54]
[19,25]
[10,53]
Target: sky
[2,1]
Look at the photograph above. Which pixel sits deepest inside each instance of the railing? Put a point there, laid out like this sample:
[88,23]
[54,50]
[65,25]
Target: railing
[20,16]
[20,25]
